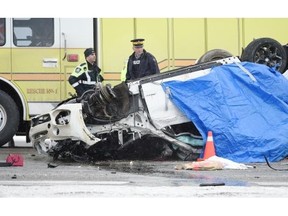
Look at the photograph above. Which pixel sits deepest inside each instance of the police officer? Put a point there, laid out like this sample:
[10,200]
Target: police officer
[141,63]
[85,75]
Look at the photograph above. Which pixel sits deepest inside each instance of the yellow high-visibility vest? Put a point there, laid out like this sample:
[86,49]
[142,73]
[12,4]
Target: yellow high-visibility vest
[124,71]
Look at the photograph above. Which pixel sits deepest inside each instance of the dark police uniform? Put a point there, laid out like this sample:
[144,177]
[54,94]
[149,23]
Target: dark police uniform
[146,64]
[85,75]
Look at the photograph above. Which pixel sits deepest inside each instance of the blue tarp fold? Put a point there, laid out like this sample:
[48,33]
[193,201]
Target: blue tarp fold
[248,118]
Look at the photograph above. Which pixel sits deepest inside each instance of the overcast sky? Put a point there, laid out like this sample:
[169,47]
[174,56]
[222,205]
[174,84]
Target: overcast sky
[147,8]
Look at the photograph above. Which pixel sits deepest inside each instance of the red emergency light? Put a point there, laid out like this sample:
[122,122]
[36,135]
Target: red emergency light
[72,57]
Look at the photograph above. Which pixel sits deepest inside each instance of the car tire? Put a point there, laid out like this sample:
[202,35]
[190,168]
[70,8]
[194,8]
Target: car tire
[9,118]
[213,55]
[285,47]
[266,51]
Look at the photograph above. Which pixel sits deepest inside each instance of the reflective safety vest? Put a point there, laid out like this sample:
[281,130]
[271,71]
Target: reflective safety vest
[124,71]
[84,77]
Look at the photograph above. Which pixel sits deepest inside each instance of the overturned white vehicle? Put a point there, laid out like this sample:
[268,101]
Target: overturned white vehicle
[134,120]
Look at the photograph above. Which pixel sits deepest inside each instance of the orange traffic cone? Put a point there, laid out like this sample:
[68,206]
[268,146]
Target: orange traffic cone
[209,147]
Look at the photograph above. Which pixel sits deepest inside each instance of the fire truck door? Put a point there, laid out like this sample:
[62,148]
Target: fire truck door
[36,62]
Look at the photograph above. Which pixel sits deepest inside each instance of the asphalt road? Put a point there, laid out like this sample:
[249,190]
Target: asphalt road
[134,179]
[140,179]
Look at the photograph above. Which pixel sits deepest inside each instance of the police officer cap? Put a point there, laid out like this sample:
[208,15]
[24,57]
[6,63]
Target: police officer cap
[137,42]
[88,52]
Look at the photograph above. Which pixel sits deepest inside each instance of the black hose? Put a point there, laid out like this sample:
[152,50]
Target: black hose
[272,167]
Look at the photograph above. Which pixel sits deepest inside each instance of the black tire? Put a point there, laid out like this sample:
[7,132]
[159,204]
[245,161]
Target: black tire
[213,55]
[266,51]
[9,118]
[285,47]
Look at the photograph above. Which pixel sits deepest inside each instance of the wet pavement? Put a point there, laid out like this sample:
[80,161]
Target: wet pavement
[42,177]
[137,188]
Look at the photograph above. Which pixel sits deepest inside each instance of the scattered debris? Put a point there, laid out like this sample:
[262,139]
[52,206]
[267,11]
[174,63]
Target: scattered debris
[213,163]
[212,184]
[4,164]
[15,159]
[50,165]
[201,165]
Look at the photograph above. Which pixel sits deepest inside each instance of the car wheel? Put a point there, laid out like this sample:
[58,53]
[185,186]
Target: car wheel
[213,55]
[9,118]
[266,51]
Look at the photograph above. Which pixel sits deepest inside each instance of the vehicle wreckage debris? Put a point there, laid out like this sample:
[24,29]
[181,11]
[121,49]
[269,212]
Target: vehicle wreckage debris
[212,184]
[51,165]
[148,147]
[122,122]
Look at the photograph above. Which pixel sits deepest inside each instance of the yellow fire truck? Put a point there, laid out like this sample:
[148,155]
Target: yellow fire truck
[37,55]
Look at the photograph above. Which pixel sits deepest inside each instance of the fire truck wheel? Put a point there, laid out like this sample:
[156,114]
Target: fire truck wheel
[213,55]
[9,118]
[266,51]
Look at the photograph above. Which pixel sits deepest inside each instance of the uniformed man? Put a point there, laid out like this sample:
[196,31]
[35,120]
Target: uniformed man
[85,75]
[141,63]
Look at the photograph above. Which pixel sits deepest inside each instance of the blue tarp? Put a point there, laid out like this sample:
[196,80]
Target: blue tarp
[244,105]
